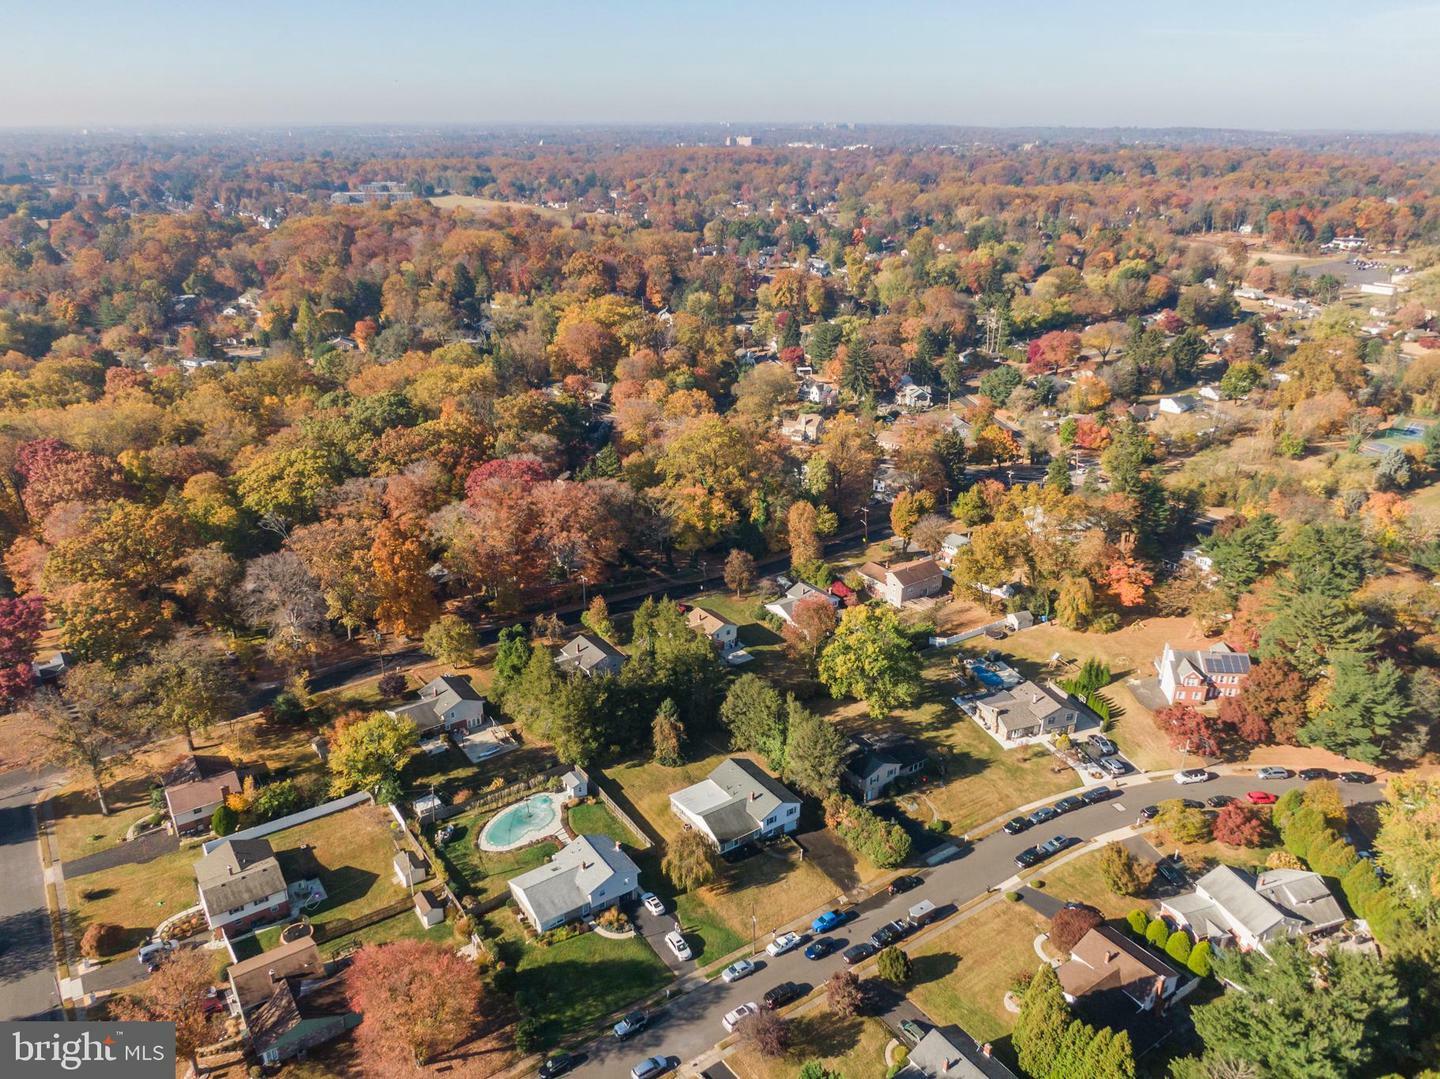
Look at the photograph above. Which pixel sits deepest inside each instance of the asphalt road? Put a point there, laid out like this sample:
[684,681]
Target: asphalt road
[689,1025]
[27,964]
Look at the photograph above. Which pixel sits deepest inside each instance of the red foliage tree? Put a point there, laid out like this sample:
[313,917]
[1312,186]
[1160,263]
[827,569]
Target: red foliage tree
[21,622]
[418,1000]
[1186,727]
[55,473]
[1070,924]
[1271,704]
[813,620]
[1052,351]
[1238,825]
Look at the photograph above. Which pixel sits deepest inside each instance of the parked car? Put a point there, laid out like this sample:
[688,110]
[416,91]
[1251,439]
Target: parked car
[559,1064]
[741,968]
[1044,815]
[650,1067]
[1150,812]
[1192,803]
[652,903]
[1115,767]
[1096,795]
[1309,774]
[732,1018]
[889,933]
[155,950]
[785,942]
[782,995]
[1172,872]
[1028,857]
[1216,801]
[900,885]
[1192,775]
[631,1025]
[1356,777]
[1055,845]
[677,943]
[1106,747]
[1070,804]
[858,953]
[831,919]
[1016,825]
[1273,772]
[1261,798]
[911,1031]
[821,948]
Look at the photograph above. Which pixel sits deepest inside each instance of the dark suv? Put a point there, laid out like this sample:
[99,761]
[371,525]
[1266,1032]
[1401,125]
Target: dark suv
[782,995]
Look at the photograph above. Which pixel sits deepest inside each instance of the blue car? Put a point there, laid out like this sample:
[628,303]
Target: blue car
[821,948]
[831,919]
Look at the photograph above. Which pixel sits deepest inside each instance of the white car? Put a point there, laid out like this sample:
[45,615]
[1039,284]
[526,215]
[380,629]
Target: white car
[156,950]
[732,1019]
[676,940]
[1192,775]
[741,968]
[785,942]
[652,903]
[1273,773]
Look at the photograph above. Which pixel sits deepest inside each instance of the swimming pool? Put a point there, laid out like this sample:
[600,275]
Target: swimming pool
[522,823]
[988,677]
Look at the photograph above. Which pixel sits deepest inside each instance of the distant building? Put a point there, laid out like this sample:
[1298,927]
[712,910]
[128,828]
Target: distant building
[817,391]
[804,428]
[386,191]
[742,140]
[1175,406]
[784,607]
[1194,676]
[193,802]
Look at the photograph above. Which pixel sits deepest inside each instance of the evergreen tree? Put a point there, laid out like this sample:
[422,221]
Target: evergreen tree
[857,376]
[752,713]
[1044,1022]
[667,735]
[952,371]
[1057,476]
[814,750]
[1365,703]
[1309,627]
[1331,559]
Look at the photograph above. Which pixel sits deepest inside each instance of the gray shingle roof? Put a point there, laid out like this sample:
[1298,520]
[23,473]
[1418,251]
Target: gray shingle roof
[238,872]
[586,651]
[734,799]
[566,882]
[950,1053]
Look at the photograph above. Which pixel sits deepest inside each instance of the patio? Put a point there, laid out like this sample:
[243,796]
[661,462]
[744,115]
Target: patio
[485,742]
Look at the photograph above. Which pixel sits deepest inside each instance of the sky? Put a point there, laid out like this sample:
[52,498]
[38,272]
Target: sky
[1262,64]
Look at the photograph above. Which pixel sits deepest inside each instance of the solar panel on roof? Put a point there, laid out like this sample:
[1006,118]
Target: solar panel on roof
[1221,663]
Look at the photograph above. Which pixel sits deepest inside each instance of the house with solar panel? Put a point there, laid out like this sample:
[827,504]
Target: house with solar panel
[1193,676]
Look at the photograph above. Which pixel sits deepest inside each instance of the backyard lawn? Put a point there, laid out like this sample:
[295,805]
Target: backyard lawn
[962,975]
[595,818]
[569,986]
[853,1048]
[484,873]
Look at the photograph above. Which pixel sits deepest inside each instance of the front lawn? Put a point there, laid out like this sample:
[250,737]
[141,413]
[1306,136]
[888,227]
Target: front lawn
[1080,881]
[962,975]
[570,986]
[853,1048]
[136,897]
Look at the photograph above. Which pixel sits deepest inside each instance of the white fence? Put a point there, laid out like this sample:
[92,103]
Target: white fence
[281,823]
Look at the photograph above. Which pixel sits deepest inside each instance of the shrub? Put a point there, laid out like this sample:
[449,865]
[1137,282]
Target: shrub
[815,1069]
[1283,859]
[1123,872]
[1178,947]
[884,843]
[224,820]
[1138,921]
[1158,933]
[893,965]
[1199,961]
[391,684]
[1013,897]
[1238,825]
[938,826]
[527,1035]
[101,939]
[1070,924]
[288,708]
[1181,824]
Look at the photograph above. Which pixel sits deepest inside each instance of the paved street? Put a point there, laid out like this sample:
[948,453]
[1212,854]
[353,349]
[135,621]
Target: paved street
[27,964]
[689,1025]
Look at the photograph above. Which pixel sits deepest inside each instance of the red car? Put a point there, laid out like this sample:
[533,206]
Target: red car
[1263,798]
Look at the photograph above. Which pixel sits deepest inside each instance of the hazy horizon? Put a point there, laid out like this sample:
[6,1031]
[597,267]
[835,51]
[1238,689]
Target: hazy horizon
[1287,67]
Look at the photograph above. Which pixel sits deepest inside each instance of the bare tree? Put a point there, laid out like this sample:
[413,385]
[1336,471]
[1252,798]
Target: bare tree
[282,596]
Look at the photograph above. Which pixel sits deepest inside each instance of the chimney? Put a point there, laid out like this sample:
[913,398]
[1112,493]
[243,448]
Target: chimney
[271,974]
[1110,957]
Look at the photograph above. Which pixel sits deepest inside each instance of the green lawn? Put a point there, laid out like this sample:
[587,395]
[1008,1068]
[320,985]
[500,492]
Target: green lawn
[484,873]
[1080,882]
[595,818]
[569,986]
[448,774]
[404,926]
[701,925]
[962,975]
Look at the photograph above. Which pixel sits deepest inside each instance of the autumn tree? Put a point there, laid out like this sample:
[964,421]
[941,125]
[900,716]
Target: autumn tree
[1069,924]
[597,619]
[812,620]
[765,1032]
[739,571]
[1238,825]
[368,755]
[806,551]
[91,730]
[690,861]
[22,620]
[1195,732]
[844,994]
[186,687]
[1052,351]
[870,658]
[176,993]
[907,510]
[451,640]
[1124,874]
[418,1000]
[405,593]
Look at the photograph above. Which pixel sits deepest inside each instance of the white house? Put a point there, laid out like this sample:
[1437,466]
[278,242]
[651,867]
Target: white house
[587,875]
[952,545]
[722,633]
[783,607]
[590,655]
[1175,406]
[1227,908]
[819,392]
[241,886]
[446,703]
[915,397]
[737,804]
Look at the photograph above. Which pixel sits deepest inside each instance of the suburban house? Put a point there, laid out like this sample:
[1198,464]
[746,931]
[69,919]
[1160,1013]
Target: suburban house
[952,545]
[723,634]
[1227,908]
[915,397]
[950,1053]
[1026,710]
[804,428]
[288,998]
[253,981]
[589,655]
[783,606]
[241,886]
[904,581]
[191,796]
[1106,964]
[1194,676]
[446,703]
[818,392]
[588,874]
[1175,406]
[876,761]
[737,804]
